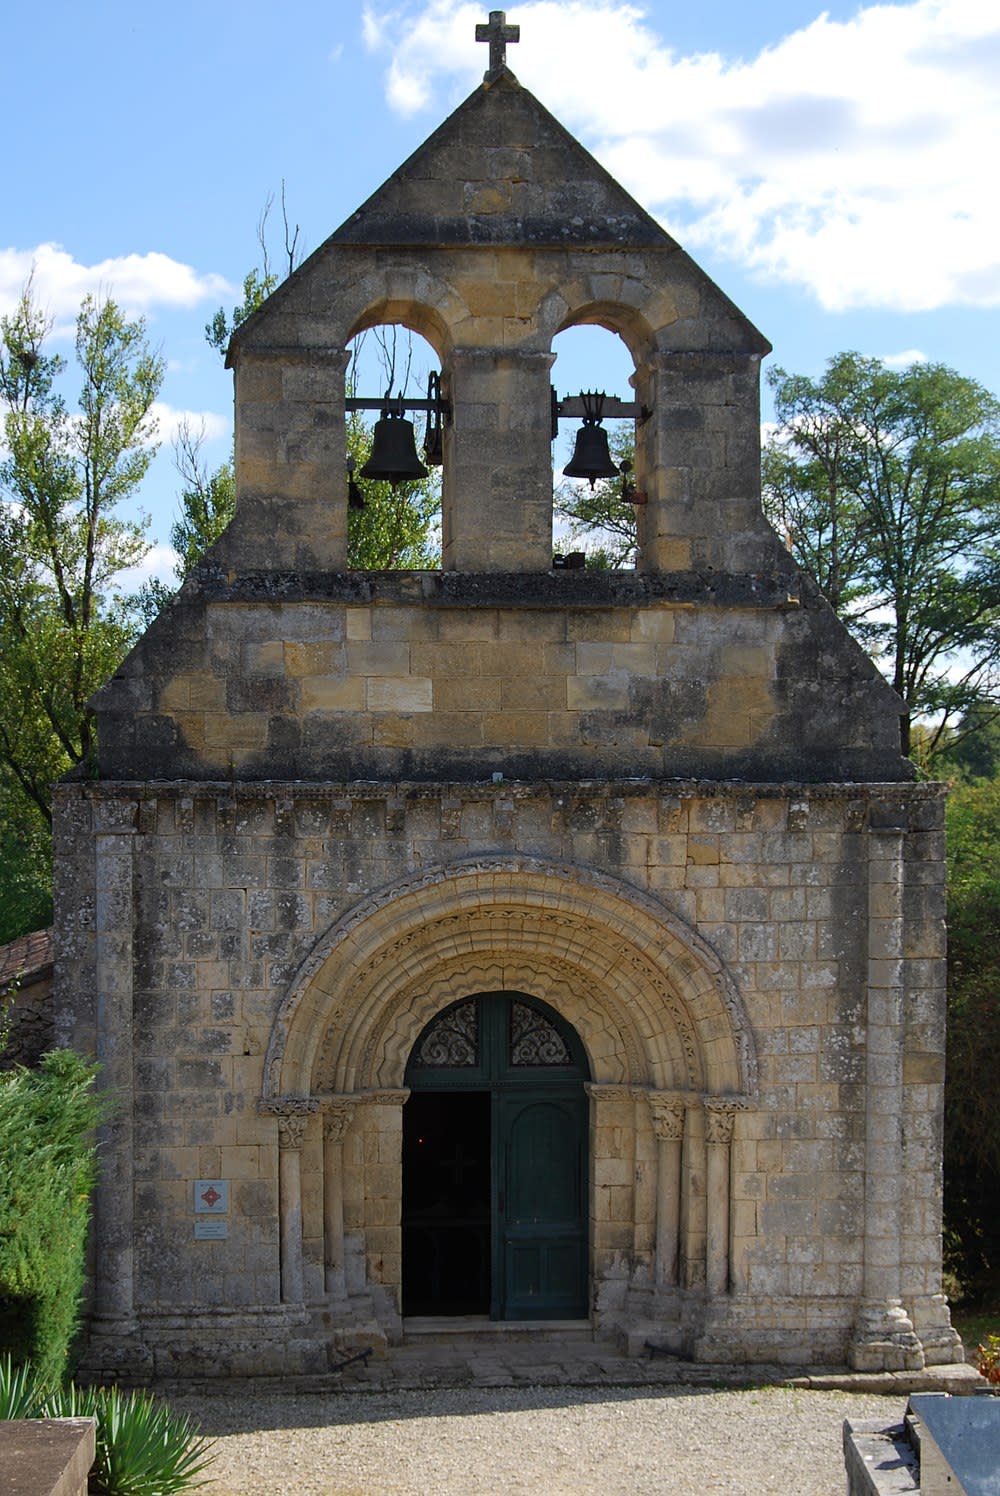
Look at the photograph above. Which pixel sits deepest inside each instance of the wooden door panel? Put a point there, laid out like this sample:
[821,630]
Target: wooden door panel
[541,1237]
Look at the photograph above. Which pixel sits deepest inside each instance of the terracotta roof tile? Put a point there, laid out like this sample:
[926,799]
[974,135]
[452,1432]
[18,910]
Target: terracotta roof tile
[25,957]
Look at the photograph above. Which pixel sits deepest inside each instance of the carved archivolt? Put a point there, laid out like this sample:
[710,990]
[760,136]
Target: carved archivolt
[648,997]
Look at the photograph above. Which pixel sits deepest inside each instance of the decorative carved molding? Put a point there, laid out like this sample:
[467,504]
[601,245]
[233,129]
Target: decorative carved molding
[289,1106]
[552,978]
[663,953]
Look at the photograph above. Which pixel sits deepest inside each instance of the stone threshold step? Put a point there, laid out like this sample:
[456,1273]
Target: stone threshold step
[479,1330]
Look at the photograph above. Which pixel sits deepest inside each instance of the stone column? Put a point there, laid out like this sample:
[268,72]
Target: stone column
[291,480]
[113,1198]
[698,461]
[293,1114]
[337,1118]
[668,1126]
[720,1115]
[497,497]
[884,1338]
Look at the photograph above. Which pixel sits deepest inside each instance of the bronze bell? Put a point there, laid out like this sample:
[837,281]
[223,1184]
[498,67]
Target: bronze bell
[393,456]
[591,457]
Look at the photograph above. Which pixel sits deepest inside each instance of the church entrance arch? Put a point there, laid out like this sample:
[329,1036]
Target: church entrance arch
[494,1207]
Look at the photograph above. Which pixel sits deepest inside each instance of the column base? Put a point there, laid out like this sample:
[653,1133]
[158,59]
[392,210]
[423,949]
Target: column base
[114,1351]
[884,1340]
[932,1321]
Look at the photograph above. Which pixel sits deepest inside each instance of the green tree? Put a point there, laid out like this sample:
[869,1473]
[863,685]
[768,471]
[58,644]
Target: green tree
[886,487]
[207,501]
[972,1119]
[972,753]
[64,622]
[601,517]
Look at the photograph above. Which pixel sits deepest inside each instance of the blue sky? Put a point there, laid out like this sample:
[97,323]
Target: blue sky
[835,170]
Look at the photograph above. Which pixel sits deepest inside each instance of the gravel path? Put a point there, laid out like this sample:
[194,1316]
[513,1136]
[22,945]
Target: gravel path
[589,1441]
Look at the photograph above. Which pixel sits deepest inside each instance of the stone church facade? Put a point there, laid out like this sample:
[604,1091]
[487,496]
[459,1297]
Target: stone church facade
[616,882]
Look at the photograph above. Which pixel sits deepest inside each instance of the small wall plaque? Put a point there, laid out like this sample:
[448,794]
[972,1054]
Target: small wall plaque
[209,1230]
[211,1196]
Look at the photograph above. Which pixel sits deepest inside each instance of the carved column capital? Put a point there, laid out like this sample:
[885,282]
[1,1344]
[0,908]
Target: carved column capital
[292,1112]
[291,1131]
[720,1115]
[668,1114]
[338,1115]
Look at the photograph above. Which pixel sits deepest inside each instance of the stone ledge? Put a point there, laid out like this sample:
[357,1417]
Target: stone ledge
[46,1456]
[537,590]
[961,1379]
[907,791]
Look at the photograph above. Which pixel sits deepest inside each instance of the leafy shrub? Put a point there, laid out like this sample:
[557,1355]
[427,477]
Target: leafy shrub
[47,1171]
[988,1359]
[142,1448]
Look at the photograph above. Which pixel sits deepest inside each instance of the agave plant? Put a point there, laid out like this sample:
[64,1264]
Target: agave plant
[20,1394]
[142,1448]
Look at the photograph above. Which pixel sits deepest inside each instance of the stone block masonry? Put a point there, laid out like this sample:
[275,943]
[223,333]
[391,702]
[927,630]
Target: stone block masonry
[292,939]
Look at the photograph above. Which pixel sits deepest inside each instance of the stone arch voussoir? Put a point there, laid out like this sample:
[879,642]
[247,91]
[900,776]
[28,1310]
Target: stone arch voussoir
[649,997]
[414,298]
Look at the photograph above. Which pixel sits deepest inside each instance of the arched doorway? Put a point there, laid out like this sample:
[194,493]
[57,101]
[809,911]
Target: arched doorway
[495,1163]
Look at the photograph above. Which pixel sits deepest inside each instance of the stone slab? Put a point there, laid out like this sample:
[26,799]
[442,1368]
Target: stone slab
[959,1444]
[46,1456]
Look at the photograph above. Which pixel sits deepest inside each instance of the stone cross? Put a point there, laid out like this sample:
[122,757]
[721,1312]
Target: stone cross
[498,34]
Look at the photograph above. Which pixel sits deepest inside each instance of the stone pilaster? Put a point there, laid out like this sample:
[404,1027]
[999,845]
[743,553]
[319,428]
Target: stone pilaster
[337,1117]
[884,1338]
[668,1114]
[497,498]
[113,1198]
[698,461]
[292,1114]
[291,481]
[720,1116]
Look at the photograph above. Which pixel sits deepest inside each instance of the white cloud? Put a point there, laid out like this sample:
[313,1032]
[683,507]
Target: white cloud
[904,360]
[138,282]
[374,28]
[170,421]
[159,561]
[852,158]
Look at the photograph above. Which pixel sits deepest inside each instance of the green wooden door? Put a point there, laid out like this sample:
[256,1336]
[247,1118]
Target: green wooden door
[532,1067]
[540,1227]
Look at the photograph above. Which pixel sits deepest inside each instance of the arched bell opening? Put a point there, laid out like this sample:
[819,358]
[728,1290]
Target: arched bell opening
[395,446]
[495,1217]
[596,490]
